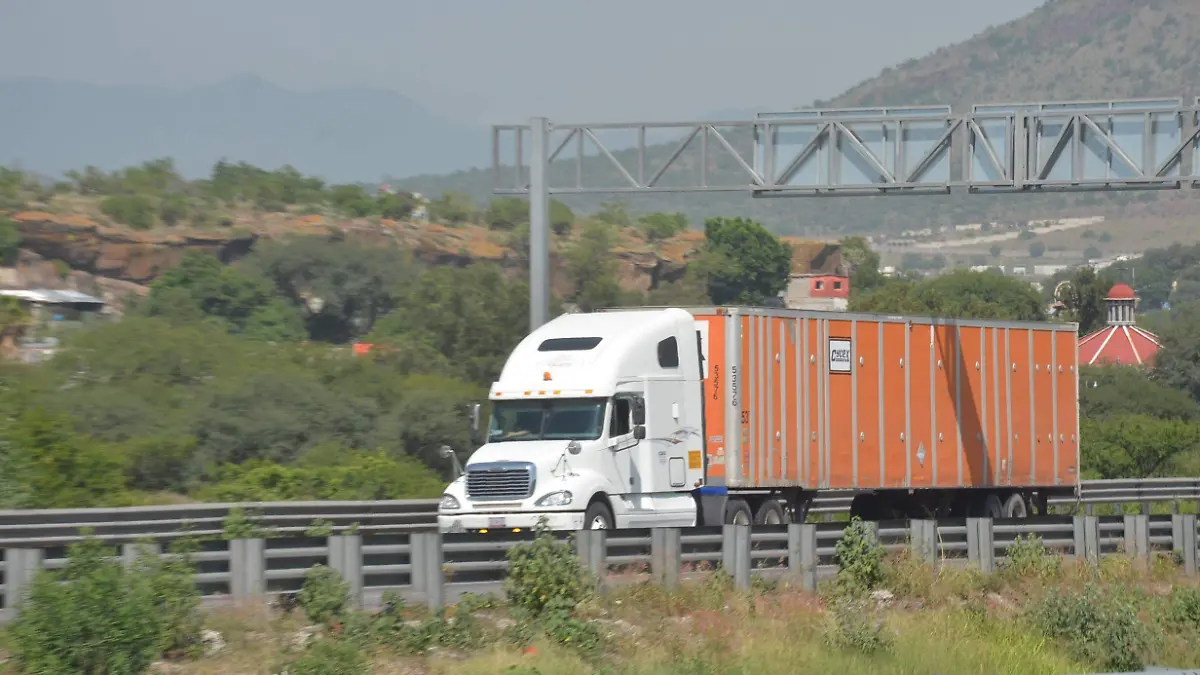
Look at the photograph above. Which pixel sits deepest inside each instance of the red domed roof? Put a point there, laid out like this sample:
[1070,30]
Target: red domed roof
[1120,291]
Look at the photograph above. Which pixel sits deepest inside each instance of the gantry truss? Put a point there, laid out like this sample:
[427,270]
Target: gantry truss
[1021,148]
[1028,147]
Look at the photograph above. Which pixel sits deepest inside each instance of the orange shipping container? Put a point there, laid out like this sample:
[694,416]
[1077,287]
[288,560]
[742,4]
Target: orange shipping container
[821,400]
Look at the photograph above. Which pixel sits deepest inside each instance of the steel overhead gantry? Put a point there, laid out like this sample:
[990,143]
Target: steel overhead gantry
[995,148]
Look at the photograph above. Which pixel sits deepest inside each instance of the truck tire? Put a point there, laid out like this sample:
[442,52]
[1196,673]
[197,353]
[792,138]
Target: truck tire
[1015,507]
[769,513]
[737,512]
[598,517]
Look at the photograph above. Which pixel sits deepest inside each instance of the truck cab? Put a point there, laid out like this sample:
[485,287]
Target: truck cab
[596,423]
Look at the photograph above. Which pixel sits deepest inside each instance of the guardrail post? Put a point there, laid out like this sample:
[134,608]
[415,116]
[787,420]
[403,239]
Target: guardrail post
[1183,540]
[21,566]
[666,556]
[416,561]
[923,542]
[1137,537]
[590,547]
[1087,539]
[435,577]
[742,560]
[981,545]
[728,548]
[129,552]
[247,568]
[345,557]
[802,554]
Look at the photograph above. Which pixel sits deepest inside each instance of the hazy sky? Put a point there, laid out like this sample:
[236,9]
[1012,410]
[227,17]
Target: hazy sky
[494,61]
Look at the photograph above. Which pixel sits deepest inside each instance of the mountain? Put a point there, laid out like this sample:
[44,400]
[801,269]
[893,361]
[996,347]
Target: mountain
[1064,50]
[345,134]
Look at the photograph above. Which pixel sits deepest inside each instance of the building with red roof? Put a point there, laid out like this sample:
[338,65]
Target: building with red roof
[1121,342]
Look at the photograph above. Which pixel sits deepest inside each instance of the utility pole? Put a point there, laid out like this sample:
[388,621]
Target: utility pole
[539,224]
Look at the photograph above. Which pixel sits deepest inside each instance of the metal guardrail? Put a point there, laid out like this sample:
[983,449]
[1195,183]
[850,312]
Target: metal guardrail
[436,569]
[55,527]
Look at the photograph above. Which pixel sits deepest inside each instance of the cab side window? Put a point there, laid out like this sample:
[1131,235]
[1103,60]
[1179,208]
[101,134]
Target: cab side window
[620,424]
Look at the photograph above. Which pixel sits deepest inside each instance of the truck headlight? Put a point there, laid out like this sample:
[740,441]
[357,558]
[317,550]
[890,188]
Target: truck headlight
[560,498]
[448,503]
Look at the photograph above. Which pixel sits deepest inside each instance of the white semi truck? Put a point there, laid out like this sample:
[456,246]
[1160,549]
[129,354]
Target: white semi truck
[673,418]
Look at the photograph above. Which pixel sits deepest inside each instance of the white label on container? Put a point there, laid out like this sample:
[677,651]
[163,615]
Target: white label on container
[839,355]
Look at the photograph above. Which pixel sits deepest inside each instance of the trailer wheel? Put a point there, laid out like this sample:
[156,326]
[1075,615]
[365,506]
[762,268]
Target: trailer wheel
[1015,507]
[737,512]
[769,513]
[992,507]
[598,517]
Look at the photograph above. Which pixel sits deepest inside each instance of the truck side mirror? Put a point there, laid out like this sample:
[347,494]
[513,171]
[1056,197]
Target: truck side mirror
[639,411]
[473,414]
[639,433]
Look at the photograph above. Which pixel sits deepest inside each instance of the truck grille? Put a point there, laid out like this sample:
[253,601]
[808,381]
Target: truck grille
[500,480]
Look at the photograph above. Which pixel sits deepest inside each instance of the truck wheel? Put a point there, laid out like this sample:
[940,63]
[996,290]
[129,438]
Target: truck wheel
[769,513]
[737,513]
[1015,507]
[992,507]
[598,517]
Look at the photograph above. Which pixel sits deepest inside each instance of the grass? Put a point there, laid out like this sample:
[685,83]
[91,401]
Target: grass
[938,620]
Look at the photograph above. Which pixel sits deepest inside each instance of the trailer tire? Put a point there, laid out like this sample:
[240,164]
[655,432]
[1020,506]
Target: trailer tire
[992,508]
[1016,507]
[737,512]
[769,513]
[598,514]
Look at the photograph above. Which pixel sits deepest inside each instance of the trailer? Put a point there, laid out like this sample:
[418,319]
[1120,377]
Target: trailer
[676,417]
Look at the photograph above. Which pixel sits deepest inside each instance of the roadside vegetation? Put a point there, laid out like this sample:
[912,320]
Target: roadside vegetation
[1038,614]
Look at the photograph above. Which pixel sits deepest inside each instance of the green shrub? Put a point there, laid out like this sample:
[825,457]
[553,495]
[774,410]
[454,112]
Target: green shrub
[1184,607]
[106,618]
[860,558]
[544,574]
[1097,625]
[854,627]
[1027,558]
[327,657]
[323,595]
[132,210]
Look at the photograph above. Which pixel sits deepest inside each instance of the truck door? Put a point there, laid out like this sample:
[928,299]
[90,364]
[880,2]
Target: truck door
[622,444]
[669,437]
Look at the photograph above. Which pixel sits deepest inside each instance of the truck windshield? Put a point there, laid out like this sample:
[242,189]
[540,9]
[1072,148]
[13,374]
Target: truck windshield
[576,419]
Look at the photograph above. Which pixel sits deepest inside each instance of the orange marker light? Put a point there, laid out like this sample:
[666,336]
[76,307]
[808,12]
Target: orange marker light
[546,376]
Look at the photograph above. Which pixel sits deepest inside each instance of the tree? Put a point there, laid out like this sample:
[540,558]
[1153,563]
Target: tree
[10,241]
[864,265]
[352,200]
[509,213]
[472,316]
[746,264]
[1036,249]
[452,208]
[592,269]
[659,226]
[1135,446]
[1109,391]
[395,206]
[614,213]
[994,251]
[1083,297]
[133,210]
[1091,253]
[343,287]
[201,286]
[960,294]
[1177,363]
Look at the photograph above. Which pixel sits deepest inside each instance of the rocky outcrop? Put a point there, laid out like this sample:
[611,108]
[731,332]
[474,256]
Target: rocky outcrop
[112,262]
[117,253]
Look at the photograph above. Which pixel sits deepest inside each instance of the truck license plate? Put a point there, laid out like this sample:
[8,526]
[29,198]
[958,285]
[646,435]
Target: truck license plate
[495,522]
